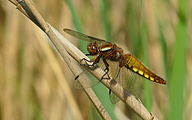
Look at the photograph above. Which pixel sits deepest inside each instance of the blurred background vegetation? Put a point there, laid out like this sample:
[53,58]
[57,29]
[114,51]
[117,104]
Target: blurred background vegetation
[35,83]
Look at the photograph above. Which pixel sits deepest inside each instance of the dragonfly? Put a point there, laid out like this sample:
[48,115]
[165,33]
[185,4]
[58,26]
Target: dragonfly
[107,51]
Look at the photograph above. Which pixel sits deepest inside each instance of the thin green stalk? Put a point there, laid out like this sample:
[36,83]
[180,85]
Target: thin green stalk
[178,75]
[147,88]
[76,24]
[133,32]
[105,19]
[164,49]
[74,16]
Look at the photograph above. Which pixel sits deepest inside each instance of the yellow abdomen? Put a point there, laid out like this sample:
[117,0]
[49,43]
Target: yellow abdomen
[134,65]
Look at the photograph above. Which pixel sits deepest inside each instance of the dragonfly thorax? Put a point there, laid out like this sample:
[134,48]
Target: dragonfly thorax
[92,48]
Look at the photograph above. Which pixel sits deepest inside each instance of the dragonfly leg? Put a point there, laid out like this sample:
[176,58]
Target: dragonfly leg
[106,73]
[76,77]
[94,60]
[87,61]
[106,70]
[109,91]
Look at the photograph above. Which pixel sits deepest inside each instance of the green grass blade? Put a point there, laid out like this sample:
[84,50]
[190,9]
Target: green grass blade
[147,101]
[164,49]
[133,28]
[178,76]
[74,16]
[145,60]
[77,24]
[105,19]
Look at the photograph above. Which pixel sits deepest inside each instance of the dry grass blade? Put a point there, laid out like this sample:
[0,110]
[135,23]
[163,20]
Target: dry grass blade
[64,47]
[19,7]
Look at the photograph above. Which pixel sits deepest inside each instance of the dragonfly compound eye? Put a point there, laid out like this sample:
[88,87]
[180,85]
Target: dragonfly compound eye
[92,48]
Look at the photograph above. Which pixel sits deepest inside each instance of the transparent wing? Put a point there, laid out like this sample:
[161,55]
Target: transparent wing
[125,78]
[83,36]
[114,99]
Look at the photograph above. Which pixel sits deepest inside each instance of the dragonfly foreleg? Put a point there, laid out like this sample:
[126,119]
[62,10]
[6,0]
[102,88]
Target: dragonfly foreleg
[91,63]
[87,61]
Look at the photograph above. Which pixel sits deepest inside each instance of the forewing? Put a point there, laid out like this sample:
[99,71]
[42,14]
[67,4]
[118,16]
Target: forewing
[84,37]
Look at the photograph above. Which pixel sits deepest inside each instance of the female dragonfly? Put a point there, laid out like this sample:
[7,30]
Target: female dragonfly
[108,51]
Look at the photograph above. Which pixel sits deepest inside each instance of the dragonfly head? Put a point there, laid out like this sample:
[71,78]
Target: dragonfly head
[92,48]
